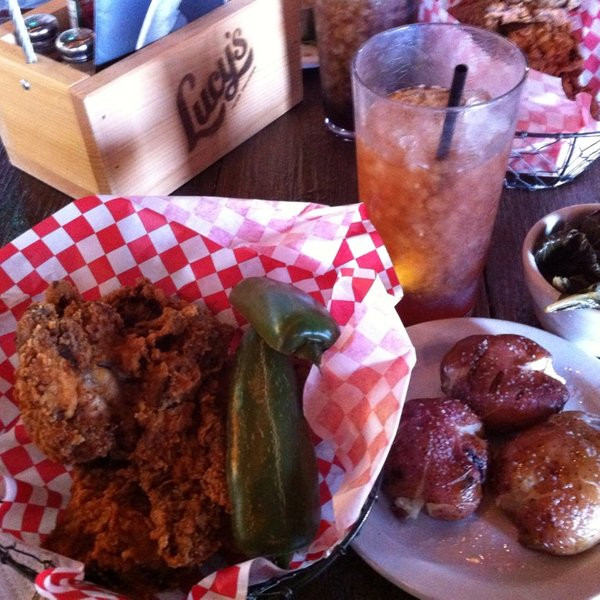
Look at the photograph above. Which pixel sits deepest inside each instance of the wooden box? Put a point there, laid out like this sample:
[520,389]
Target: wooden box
[151,121]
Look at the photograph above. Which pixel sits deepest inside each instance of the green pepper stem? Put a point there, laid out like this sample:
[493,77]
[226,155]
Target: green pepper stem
[312,352]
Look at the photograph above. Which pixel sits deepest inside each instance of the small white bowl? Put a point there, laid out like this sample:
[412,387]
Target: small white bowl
[580,326]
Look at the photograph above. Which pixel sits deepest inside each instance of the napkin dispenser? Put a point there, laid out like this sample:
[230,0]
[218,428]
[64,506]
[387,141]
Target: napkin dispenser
[151,121]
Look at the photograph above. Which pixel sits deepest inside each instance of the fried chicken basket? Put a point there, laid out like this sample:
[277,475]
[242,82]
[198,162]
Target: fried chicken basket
[29,564]
[199,248]
[557,139]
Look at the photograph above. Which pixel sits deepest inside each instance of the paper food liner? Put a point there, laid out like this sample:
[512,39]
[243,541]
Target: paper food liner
[545,109]
[199,248]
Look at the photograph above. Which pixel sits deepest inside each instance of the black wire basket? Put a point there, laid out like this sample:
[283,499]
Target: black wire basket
[284,586]
[540,161]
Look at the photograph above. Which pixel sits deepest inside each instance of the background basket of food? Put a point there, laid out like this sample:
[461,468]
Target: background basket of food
[558,132]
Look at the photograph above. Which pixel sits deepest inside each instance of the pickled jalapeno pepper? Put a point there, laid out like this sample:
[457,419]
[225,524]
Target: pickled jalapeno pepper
[287,318]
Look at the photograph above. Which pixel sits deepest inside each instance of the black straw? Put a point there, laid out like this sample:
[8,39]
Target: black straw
[456,91]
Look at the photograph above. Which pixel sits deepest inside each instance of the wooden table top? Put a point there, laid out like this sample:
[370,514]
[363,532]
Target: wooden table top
[296,158]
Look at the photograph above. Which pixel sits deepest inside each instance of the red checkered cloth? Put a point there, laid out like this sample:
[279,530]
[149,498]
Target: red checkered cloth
[199,248]
[544,105]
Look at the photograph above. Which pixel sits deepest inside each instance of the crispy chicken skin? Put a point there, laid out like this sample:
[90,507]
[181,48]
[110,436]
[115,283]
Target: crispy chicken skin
[106,513]
[64,385]
[548,481]
[438,460]
[543,31]
[149,491]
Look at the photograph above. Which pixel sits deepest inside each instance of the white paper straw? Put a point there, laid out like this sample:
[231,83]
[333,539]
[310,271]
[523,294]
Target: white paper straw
[21,31]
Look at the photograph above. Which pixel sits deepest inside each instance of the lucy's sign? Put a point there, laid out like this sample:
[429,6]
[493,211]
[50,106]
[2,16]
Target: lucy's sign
[202,106]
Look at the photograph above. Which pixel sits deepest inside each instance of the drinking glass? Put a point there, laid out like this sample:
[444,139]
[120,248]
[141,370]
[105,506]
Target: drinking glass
[341,27]
[433,197]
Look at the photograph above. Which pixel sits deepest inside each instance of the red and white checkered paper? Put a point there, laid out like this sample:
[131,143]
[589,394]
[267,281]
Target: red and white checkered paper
[199,248]
[544,105]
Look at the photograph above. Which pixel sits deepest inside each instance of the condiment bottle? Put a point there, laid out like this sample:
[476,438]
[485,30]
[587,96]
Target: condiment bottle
[76,46]
[81,13]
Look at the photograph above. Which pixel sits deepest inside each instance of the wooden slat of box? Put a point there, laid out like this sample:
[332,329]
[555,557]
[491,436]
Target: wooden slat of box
[151,121]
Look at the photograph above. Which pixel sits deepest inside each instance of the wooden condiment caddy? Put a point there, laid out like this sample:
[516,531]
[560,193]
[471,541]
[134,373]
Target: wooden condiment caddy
[151,121]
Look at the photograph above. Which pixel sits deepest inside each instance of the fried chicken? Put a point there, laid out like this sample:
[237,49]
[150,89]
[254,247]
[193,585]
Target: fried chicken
[107,511]
[64,386]
[541,28]
[500,14]
[149,493]
[550,48]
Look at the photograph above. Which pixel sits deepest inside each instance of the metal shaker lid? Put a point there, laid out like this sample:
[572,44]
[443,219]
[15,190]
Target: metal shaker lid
[76,45]
[42,29]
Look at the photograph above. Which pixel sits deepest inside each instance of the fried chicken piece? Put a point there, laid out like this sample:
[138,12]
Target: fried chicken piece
[107,511]
[554,50]
[496,15]
[541,28]
[64,386]
[165,471]
[141,304]
[157,503]
[549,48]
[177,352]
[107,526]
[113,526]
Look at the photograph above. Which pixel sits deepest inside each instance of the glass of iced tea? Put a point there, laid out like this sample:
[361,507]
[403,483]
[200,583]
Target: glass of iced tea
[431,175]
[341,27]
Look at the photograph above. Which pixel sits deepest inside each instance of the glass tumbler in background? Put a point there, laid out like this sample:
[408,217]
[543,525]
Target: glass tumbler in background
[341,27]
[435,210]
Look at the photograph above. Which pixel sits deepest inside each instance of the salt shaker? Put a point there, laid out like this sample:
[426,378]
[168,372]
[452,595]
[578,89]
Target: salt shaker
[341,27]
[76,46]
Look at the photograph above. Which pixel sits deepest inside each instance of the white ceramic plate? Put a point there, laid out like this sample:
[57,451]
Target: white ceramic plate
[480,557]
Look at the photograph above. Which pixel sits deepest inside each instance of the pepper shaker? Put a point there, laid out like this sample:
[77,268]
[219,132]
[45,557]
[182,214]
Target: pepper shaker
[42,29]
